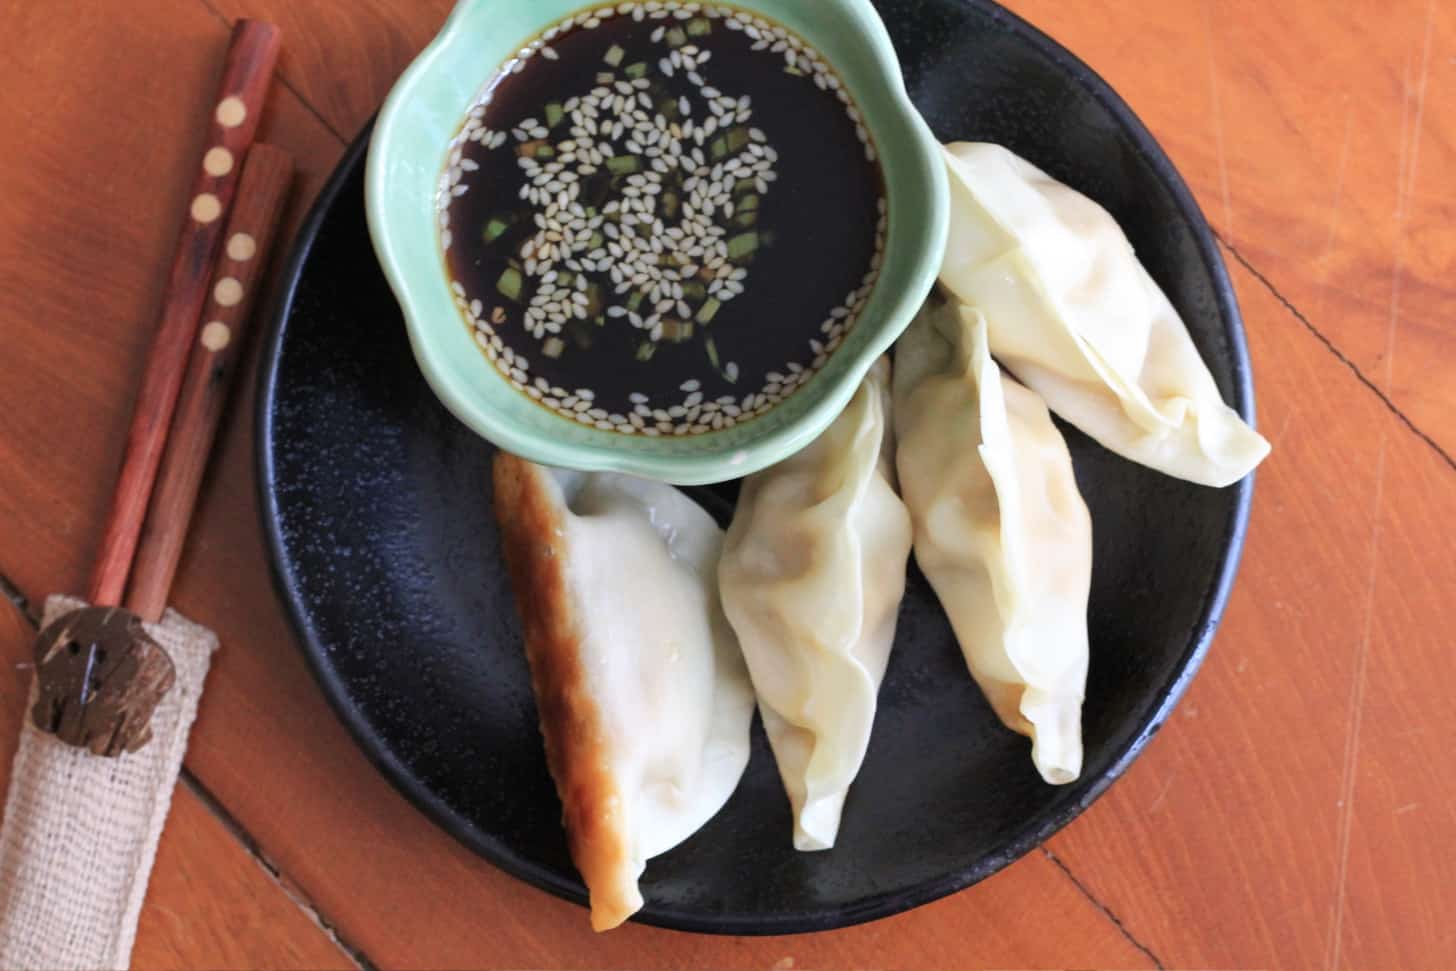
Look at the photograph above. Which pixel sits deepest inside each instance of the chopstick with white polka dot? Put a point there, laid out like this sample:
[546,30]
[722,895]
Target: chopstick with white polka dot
[232,122]
[235,281]
[80,831]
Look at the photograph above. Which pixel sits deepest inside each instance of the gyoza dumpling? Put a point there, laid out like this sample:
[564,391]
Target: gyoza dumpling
[644,700]
[1074,315]
[1001,531]
[812,577]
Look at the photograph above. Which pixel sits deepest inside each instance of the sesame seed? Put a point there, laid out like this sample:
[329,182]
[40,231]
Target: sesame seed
[631,247]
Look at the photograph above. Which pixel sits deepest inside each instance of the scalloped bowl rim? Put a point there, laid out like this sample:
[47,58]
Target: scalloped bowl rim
[685,460]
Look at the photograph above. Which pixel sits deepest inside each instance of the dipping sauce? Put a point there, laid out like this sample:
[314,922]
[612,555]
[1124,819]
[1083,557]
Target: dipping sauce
[663,218]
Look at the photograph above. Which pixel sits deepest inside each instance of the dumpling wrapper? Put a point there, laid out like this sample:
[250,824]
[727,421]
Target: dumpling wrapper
[1075,316]
[643,697]
[1001,531]
[812,578]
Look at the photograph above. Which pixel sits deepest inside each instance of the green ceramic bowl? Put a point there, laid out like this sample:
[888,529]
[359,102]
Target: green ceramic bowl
[425,111]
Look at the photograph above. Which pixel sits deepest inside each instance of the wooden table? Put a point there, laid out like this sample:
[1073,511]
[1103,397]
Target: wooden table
[1297,812]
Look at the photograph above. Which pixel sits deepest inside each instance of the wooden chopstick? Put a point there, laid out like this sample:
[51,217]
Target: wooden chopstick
[232,123]
[235,282]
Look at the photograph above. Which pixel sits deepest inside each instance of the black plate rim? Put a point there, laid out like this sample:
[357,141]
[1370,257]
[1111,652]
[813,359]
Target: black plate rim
[1038,829]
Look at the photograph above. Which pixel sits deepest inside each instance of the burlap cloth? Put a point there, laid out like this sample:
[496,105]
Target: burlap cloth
[81,831]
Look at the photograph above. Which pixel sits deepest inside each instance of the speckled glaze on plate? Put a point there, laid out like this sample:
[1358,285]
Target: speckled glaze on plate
[377,510]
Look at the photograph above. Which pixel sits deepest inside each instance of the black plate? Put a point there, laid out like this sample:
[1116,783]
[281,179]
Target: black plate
[377,506]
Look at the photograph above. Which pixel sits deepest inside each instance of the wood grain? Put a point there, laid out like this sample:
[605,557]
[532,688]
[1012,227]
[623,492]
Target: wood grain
[1397,887]
[369,42]
[232,121]
[1317,143]
[212,905]
[209,903]
[1250,771]
[234,285]
[1293,814]
[1320,144]
[84,237]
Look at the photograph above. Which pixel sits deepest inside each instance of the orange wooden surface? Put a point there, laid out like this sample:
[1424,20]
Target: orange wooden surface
[1297,812]
[210,903]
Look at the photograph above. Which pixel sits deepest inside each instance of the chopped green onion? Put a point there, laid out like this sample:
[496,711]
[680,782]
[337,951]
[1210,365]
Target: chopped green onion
[747,219]
[719,149]
[495,229]
[700,27]
[712,348]
[738,139]
[510,284]
[553,348]
[614,56]
[742,246]
[645,350]
[694,290]
[624,164]
[676,37]
[748,203]
[677,331]
[634,302]
[636,71]
[708,311]
[554,114]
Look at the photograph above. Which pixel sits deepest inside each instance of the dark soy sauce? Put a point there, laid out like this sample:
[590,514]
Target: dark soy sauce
[663,220]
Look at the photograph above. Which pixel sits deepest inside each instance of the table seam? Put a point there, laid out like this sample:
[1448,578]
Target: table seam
[1103,909]
[288,85]
[229,822]
[1340,355]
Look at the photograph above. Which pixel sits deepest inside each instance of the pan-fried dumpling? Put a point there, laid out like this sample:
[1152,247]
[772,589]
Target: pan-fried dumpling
[812,577]
[644,701]
[1074,315]
[1001,531]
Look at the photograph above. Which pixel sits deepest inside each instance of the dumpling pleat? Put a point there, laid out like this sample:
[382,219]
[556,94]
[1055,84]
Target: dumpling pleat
[1001,531]
[1078,319]
[812,577]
